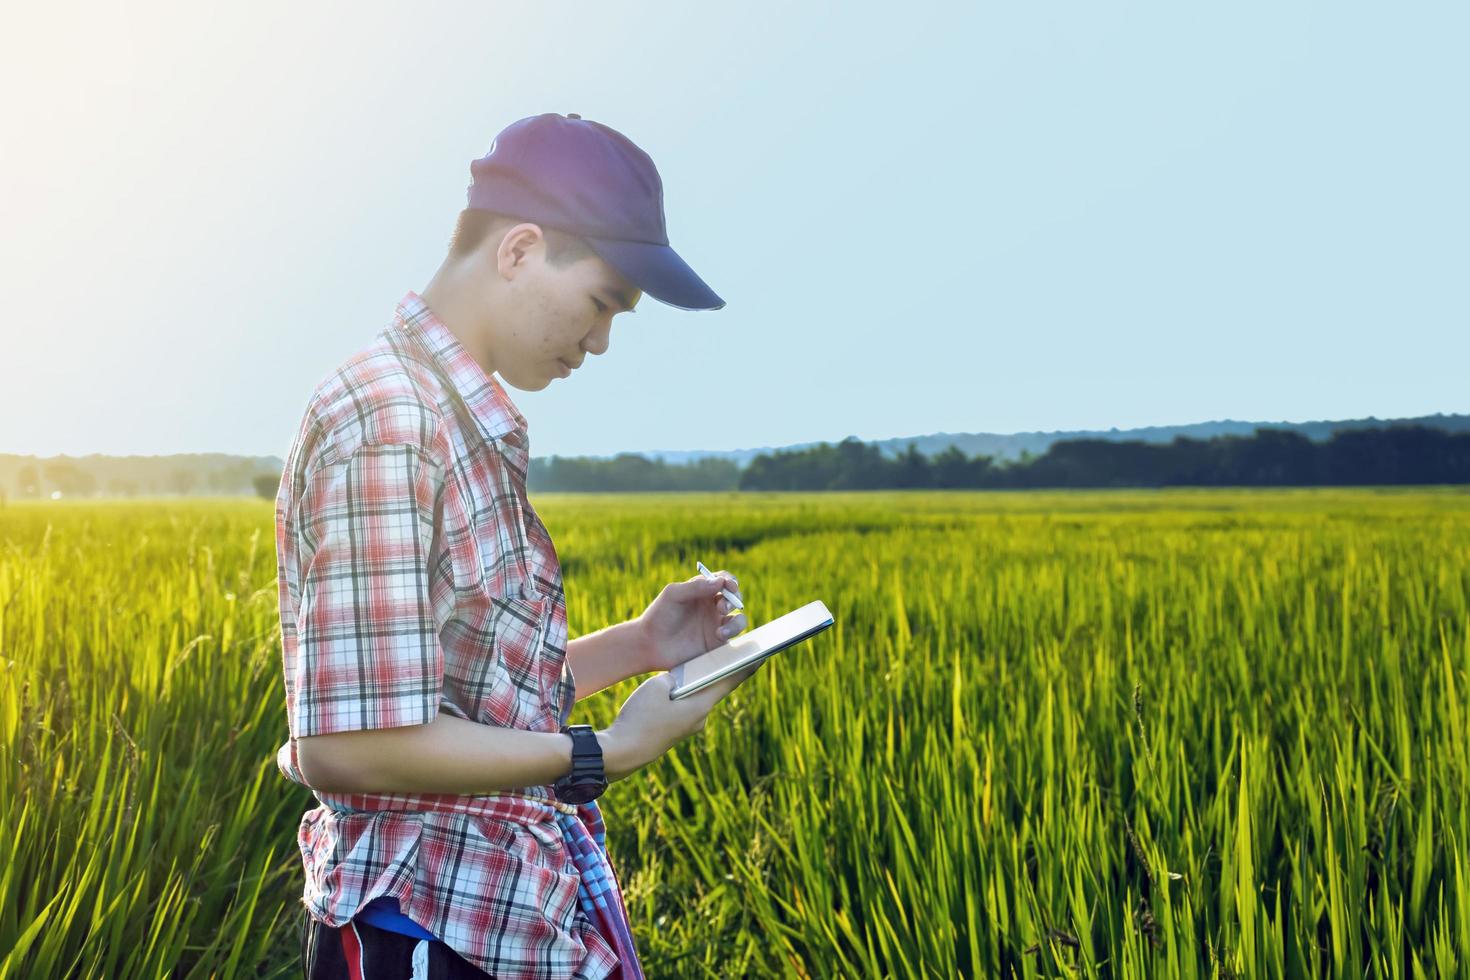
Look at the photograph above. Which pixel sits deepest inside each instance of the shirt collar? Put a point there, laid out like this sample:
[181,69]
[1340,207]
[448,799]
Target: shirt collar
[494,412]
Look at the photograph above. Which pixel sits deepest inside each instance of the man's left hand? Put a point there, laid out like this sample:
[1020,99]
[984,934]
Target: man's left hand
[689,618]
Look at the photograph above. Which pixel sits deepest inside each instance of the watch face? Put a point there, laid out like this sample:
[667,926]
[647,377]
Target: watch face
[581,792]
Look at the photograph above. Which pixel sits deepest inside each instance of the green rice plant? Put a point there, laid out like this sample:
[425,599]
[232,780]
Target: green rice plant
[1104,734]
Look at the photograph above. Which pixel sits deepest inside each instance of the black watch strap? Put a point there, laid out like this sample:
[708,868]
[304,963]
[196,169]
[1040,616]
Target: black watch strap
[588,778]
[586,750]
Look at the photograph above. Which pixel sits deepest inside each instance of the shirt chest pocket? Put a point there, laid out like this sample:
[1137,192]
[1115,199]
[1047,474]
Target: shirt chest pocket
[503,682]
[494,554]
[500,615]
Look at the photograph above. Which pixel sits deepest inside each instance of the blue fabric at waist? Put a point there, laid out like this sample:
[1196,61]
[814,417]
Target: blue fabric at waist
[384,913]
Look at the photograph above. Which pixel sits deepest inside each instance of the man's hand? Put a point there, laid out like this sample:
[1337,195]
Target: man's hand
[689,618]
[650,722]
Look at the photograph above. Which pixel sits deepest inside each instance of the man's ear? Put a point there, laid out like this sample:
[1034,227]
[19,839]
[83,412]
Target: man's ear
[518,246]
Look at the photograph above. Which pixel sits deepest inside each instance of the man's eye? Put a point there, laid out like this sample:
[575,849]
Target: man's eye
[601,306]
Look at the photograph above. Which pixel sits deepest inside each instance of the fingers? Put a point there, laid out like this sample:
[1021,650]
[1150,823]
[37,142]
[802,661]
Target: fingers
[729,625]
[728,683]
[730,582]
[744,674]
[697,586]
[733,625]
[716,692]
[719,689]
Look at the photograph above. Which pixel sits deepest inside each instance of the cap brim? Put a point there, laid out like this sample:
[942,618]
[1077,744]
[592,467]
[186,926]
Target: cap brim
[658,271]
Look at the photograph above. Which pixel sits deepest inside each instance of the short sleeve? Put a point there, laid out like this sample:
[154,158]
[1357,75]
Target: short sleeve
[368,653]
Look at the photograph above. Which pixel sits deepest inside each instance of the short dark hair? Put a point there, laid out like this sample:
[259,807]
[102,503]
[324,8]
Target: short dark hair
[474,226]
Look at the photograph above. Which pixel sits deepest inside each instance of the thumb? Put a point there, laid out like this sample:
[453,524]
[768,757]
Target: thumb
[696,588]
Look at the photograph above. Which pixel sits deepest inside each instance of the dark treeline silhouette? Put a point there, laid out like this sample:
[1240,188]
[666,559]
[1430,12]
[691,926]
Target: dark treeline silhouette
[856,465]
[1395,454]
[1270,457]
[629,472]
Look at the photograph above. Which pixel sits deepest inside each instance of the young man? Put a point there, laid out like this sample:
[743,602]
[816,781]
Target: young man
[424,635]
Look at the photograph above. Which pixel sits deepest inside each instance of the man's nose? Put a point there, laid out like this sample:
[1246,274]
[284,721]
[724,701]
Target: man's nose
[597,341]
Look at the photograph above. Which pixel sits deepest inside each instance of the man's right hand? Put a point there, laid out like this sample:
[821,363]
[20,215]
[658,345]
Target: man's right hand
[650,723]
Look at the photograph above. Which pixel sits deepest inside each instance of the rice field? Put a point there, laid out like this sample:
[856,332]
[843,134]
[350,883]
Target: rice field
[1078,734]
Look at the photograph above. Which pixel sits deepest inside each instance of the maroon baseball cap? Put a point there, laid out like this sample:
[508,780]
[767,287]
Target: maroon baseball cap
[590,180]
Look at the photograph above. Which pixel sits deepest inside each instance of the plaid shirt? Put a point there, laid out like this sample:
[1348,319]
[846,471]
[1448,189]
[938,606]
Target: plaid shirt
[414,578]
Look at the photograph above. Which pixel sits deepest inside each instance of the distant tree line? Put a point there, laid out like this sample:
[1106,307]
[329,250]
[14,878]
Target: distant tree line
[628,472]
[1401,454]
[29,477]
[1269,457]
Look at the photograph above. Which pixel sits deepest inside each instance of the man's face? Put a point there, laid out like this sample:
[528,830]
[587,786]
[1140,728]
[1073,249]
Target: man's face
[550,315]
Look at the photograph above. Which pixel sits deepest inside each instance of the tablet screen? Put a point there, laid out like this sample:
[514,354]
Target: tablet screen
[748,647]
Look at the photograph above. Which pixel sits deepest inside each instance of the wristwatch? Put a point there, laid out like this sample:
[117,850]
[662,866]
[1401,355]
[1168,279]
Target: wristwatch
[587,779]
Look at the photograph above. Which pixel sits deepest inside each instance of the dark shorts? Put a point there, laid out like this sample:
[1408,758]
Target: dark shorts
[359,951]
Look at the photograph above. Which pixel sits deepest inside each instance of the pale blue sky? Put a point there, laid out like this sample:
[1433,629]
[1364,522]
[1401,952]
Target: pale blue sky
[922,217]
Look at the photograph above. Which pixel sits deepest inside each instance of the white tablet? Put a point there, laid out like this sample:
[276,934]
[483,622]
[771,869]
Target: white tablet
[746,648]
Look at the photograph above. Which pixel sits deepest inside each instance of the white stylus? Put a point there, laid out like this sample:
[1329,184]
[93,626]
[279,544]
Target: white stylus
[733,599]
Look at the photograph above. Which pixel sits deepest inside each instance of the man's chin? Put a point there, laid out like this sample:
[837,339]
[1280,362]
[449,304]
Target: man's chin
[534,383]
